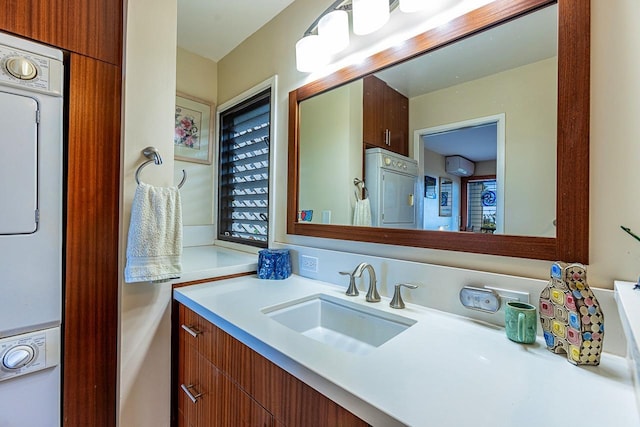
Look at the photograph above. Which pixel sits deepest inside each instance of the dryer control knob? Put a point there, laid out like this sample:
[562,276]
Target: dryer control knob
[18,357]
[21,68]
[387,161]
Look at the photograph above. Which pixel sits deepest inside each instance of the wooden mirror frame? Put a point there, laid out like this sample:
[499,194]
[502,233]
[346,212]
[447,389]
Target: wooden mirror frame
[572,197]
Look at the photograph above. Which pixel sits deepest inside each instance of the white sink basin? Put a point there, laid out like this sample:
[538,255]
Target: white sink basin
[341,324]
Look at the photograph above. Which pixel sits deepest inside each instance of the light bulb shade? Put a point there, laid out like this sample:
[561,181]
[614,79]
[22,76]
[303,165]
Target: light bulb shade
[369,15]
[333,29]
[409,6]
[311,53]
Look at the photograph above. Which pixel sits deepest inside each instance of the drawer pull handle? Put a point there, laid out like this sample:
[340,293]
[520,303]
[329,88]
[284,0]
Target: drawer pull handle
[187,390]
[193,332]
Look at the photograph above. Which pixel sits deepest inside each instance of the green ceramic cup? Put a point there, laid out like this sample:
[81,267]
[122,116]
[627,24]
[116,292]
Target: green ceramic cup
[521,322]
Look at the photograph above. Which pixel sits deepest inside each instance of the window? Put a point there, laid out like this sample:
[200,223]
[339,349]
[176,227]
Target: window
[243,191]
[481,204]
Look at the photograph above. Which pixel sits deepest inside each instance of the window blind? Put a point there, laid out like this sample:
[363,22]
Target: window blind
[243,194]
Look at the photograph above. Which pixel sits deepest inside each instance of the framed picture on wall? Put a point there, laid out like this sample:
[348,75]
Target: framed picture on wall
[193,132]
[429,187]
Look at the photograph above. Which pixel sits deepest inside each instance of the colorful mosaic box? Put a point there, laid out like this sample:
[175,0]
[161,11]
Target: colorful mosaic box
[571,317]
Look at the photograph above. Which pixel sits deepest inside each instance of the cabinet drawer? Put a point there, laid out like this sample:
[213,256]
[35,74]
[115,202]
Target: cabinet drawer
[189,385]
[224,403]
[228,355]
[192,329]
[239,387]
[294,403]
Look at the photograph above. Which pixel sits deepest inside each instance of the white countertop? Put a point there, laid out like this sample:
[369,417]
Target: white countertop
[206,262]
[445,370]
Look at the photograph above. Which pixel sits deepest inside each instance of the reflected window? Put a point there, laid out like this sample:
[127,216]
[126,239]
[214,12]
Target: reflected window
[481,206]
[243,194]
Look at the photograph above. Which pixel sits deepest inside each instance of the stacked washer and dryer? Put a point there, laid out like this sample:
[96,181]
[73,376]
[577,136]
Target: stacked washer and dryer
[392,182]
[31,193]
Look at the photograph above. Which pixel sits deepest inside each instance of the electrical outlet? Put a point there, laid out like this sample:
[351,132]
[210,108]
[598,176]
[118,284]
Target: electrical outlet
[309,263]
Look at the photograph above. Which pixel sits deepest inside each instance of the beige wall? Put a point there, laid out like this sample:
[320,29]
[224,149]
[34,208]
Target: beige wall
[615,140]
[614,152]
[434,167]
[527,97]
[197,76]
[331,155]
[148,116]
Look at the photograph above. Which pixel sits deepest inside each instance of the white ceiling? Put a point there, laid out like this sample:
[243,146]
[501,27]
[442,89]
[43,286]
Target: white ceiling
[213,28]
[476,143]
[531,38]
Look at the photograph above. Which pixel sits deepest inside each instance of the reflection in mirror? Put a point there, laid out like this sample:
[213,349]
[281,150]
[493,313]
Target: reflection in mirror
[332,152]
[471,151]
[487,100]
[571,177]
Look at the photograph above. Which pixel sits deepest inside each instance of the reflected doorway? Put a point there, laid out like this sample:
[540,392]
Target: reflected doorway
[478,148]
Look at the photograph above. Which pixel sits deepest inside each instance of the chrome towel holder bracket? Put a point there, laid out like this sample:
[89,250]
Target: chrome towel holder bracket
[360,184]
[153,155]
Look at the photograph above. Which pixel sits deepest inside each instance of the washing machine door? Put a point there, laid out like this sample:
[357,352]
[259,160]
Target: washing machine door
[398,207]
[18,164]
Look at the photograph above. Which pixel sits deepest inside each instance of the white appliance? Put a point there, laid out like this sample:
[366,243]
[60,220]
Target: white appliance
[31,115]
[459,166]
[392,181]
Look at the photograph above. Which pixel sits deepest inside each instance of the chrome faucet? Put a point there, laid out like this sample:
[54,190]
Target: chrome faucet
[372,292]
[352,291]
[396,301]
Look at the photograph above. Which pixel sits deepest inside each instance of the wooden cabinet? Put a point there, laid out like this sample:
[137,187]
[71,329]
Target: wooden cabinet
[385,117]
[91,28]
[235,386]
[91,281]
[207,394]
[91,32]
[211,398]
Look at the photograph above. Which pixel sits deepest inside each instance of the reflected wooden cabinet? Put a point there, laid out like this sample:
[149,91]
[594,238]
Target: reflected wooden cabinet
[385,117]
[222,382]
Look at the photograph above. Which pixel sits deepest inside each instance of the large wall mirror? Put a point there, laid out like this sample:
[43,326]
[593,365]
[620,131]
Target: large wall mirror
[495,156]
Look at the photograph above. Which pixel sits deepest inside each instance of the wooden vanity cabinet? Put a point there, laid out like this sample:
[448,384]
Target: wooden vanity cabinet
[207,396]
[385,117]
[235,386]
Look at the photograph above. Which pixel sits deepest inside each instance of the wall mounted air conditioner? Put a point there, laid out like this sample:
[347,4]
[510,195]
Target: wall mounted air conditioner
[459,166]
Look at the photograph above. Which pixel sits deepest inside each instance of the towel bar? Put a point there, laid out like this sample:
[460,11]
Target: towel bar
[153,155]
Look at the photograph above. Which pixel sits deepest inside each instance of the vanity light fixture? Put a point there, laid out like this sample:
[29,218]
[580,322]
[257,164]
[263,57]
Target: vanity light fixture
[333,29]
[369,15]
[329,33]
[311,53]
[409,6]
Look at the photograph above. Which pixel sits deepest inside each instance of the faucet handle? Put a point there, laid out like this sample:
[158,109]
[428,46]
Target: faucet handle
[352,291]
[396,301]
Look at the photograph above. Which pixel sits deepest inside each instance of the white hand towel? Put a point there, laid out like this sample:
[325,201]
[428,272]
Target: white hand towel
[154,246]
[362,213]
